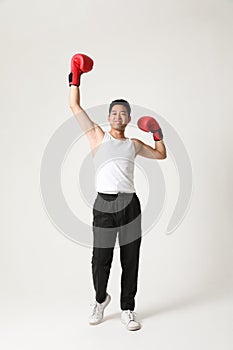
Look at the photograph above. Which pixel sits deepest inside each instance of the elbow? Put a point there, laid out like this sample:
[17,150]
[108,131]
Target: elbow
[162,156]
[75,108]
[73,105]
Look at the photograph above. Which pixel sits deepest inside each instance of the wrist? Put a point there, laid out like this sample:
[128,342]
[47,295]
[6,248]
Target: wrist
[157,135]
[159,140]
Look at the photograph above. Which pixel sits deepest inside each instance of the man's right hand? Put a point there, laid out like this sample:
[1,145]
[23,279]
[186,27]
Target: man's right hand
[80,64]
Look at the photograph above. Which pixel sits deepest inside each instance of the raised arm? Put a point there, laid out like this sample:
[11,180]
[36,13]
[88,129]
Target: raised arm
[80,64]
[83,119]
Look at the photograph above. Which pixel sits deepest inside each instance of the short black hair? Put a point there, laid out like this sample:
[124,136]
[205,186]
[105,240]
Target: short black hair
[120,102]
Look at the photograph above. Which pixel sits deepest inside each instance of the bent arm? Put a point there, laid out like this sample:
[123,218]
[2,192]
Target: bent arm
[144,150]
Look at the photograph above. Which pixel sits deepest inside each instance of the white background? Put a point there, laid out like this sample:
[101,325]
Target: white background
[174,57]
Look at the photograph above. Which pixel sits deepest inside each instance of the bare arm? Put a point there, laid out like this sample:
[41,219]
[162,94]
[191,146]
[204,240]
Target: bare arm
[144,150]
[86,124]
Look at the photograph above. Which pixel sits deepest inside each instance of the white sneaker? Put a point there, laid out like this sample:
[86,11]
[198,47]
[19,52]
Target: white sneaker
[98,311]
[129,319]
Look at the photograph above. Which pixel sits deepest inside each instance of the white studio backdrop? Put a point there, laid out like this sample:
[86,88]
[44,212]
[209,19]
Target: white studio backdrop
[173,57]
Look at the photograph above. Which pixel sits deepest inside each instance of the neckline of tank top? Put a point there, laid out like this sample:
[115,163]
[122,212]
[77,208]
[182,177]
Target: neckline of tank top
[114,138]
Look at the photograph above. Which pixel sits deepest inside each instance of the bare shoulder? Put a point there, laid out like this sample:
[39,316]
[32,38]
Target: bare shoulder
[137,145]
[136,141]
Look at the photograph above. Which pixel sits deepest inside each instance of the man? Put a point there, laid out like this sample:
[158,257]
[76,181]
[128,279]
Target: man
[117,207]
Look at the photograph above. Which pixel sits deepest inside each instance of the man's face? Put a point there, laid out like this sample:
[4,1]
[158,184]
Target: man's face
[118,117]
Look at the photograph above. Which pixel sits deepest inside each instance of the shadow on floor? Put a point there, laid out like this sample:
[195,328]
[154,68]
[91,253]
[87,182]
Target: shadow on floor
[116,315]
[182,302]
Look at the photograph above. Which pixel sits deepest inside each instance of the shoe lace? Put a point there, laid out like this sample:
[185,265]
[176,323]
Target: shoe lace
[131,315]
[96,309]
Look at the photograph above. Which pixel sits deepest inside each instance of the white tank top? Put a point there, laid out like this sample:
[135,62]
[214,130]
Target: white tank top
[114,165]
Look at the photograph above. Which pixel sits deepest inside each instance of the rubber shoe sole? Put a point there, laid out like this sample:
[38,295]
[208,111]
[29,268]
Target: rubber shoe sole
[132,327]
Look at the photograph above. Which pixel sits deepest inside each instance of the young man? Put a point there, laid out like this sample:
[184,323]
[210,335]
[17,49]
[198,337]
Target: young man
[117,207]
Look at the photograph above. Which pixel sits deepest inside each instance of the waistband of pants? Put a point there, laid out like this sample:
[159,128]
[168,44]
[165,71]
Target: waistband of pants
[115,195]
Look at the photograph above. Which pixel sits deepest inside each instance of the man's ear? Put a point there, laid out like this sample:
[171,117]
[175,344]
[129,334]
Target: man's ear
[129,119]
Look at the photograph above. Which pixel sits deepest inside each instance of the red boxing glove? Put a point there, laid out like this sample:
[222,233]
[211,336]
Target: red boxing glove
[80,64]
[149,124]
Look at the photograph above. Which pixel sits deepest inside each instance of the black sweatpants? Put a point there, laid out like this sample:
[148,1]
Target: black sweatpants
[116,213]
